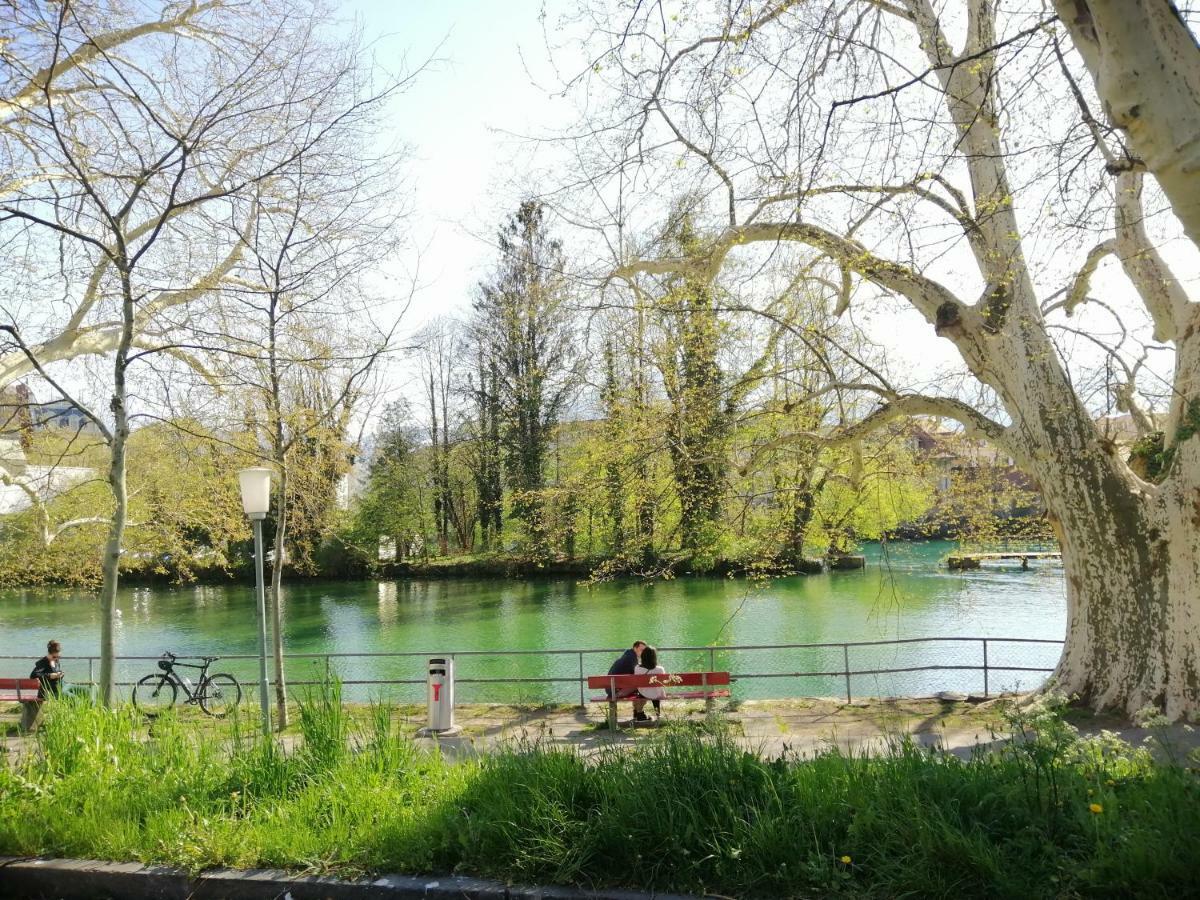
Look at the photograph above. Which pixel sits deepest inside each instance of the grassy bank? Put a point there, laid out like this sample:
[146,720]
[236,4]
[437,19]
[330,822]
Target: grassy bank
[688,811]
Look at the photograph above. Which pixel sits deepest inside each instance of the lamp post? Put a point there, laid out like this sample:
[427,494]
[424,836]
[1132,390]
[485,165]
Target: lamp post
[256,501]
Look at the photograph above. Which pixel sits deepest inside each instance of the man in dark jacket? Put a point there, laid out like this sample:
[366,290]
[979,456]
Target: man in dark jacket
[48,671]
[624,665]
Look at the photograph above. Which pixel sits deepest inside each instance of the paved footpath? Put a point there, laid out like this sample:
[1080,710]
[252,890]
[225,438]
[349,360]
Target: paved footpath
[773,728]
[776,728]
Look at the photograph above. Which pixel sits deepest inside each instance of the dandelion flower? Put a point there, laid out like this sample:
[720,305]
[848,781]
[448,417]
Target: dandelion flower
[1096,808]
[845,860]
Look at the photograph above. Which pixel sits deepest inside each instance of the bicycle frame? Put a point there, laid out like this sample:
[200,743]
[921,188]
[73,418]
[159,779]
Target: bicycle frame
[193,696]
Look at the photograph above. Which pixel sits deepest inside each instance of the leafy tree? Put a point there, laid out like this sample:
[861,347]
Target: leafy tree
[697,430]
[940,203]
[485,456]
[388,512]
[185,511]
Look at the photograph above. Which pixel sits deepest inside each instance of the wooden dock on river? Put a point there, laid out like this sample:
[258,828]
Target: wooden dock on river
[962,561]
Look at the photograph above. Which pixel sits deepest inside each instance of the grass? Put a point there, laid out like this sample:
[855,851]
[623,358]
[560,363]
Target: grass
[1048,815]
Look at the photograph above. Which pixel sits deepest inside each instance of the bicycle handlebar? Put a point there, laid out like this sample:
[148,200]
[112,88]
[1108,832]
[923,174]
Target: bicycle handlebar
[167,654]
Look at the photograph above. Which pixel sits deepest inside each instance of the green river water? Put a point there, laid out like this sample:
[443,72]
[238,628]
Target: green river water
[903,593]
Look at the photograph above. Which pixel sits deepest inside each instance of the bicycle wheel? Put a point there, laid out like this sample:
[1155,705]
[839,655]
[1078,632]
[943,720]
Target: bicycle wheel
[154,693]
[220,694]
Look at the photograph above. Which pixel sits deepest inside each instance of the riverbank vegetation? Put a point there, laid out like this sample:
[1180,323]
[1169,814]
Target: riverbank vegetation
[808,272]
[685,436]
[1046,815]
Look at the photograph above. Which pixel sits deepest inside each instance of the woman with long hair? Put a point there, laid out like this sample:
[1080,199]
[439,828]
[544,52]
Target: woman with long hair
[648,665]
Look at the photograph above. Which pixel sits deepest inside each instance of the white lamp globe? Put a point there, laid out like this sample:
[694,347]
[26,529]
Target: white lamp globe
[256,491]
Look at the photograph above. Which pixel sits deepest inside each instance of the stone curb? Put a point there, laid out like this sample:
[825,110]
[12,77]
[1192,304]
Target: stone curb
[82,879]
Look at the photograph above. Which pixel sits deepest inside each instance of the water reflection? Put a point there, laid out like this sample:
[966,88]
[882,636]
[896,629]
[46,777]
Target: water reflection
[389,612]
[909,597]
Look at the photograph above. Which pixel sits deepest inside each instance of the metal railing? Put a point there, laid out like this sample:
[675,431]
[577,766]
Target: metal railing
[845,673]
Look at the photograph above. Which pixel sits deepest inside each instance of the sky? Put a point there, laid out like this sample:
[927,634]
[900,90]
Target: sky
[488,84]
[459,118]
[488,81]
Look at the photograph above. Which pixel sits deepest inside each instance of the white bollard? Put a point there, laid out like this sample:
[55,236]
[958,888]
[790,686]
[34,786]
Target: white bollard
[440,696]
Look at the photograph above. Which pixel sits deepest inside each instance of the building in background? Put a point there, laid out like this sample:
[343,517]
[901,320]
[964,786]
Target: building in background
[24,482]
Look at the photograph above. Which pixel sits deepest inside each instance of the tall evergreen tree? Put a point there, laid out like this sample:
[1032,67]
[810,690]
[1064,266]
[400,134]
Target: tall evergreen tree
[523,327]
[487,465]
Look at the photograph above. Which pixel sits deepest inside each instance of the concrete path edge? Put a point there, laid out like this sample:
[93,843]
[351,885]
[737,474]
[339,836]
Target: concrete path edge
[23,878]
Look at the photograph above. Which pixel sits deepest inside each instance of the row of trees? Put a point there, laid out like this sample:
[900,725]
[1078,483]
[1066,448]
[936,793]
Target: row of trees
[681,427]
[1011,175]
[177,200]
[192,199]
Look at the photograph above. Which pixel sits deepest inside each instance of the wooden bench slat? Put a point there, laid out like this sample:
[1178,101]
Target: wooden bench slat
[670,680]
[19,690]
[673,695]
[711,684]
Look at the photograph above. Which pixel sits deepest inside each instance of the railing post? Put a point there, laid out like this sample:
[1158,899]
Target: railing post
[985,668]
[712,660]
[327,670]
[91,680]
[582,701]
[846,664]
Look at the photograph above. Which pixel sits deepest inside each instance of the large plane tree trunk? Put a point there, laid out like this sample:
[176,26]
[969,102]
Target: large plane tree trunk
[1131,553]
[1131,547]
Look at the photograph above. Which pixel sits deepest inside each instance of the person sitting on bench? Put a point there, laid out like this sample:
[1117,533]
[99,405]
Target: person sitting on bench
[648,665]
[48,671]
[625,664]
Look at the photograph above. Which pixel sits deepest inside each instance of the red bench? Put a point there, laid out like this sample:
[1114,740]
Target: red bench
[25,692]
[711,685]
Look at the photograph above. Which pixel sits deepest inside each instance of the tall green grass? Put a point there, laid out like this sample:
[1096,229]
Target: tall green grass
[1049,815]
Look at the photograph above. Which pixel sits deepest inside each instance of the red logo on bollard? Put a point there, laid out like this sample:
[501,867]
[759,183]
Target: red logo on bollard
[436,690]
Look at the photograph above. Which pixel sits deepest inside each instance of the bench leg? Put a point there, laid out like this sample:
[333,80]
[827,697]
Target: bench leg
[612,716]
[29,714]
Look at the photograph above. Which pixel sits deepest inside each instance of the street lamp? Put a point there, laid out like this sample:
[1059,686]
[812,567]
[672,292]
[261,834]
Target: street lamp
[256,501]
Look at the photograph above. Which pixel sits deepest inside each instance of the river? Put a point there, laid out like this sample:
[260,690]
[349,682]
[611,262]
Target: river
[903,593]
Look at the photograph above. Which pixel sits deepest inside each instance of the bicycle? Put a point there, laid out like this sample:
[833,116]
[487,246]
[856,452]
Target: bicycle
[215,694]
